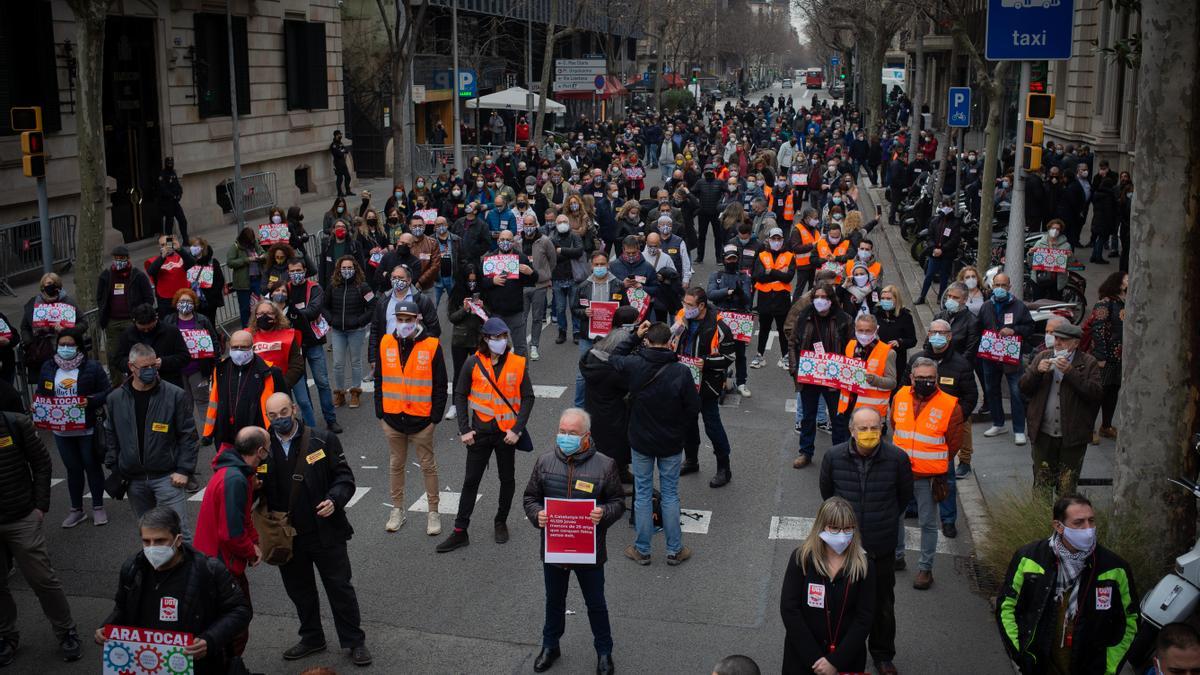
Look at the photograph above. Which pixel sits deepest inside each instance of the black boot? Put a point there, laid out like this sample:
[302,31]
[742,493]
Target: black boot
[723,475]
[545,659]
[562,337]
[689,466]
[457,539]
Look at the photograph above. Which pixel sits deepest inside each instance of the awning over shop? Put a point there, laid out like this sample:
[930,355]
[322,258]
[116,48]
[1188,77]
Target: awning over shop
[513,98]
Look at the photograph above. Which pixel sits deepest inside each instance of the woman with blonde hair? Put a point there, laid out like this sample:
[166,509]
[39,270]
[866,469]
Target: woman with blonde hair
[629,221]
[896,328]
[969,276]
[828,598]
[582,217]
[731,217]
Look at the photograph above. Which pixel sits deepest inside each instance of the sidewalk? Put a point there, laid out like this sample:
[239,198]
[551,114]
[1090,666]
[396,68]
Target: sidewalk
[998,466]
[219,235]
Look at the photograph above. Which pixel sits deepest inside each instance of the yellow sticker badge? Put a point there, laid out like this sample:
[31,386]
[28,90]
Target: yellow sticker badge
[5,441]
[315,457]
[160,426]
[583,486]
[948,381]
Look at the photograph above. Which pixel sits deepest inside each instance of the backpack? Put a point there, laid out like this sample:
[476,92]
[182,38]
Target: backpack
[656,516]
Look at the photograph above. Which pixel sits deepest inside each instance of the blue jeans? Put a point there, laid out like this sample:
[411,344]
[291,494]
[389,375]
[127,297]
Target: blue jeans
[591,584]
[667,169]
[304,401]
[948,508]
[562,308]
[809,396]
[320,374]
[244,299]
[710,413]
[80,459]
[584,346]
[927,518]
[668,486]
[993,372]
[652,150]
[442,285]
[936,267]
[347,345]
[145,494]
[822,410]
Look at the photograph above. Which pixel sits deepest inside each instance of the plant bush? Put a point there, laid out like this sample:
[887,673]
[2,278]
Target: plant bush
[677,99]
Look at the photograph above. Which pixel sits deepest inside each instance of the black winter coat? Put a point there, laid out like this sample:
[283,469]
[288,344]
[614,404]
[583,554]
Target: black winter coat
[964,331]
[429,319]
[25,469]
[849,611]
[327,476]
[898,327]
[956,376]
[878,487]
[585,475]
[665,401]
[709,192]
[137,291]
[168,345]
[348,306]
[604,399]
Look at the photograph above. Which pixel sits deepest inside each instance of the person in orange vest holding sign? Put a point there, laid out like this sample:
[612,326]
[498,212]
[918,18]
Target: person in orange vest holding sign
[802,241]
[832,248]
[927,424]
[410,398]
[773,273]
[237,395]
[277,342]
[881,369]
[496,396]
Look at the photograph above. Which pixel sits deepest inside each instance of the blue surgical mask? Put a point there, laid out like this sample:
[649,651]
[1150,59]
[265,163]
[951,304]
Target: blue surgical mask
[600,271]
[951,305]
[999,294]
[148,374]
[938,341]
[691,312]
[887,305]
[283,426]
[568,443]
[67,352]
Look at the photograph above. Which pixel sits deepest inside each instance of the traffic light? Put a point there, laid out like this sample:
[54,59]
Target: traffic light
[33,143]
[1038,76]
[1039,106]
[842,73]
[1033,158]
[1034,131]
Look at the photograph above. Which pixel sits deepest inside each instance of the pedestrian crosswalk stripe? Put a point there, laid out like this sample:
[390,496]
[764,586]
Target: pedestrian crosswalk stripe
[447,502]
[790,405]
[548,391]
[359,493]
[199,496]
[797,528]
[55,481]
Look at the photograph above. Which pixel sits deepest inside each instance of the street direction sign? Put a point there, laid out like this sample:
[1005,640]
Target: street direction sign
[958,112]
[1029,30]
[599,82]
[835,60]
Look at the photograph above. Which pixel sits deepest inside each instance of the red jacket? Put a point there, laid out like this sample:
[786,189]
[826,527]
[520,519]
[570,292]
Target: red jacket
[169,274]
[224,530]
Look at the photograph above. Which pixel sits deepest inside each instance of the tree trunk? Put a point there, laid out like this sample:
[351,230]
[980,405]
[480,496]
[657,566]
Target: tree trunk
[915,94]
[1160,380]
[871,80]
[539,118]
[89,118]
[658,68]
[995,96]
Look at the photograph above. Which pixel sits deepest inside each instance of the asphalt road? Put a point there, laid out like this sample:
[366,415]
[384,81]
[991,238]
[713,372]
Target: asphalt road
[480,609]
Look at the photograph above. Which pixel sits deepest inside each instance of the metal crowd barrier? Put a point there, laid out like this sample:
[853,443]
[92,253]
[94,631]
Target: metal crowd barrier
[21,248]
[435,159]
[258,191]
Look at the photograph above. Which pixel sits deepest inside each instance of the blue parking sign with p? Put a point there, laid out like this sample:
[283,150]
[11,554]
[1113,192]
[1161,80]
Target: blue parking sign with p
[958,112]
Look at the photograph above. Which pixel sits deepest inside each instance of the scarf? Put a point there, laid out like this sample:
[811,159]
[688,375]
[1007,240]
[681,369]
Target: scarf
[72,364]
[1070,564]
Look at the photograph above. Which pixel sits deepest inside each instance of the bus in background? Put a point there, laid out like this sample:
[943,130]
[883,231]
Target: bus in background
[814,78]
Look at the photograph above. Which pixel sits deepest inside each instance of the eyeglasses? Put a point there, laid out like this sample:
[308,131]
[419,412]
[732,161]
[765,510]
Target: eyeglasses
[839,530]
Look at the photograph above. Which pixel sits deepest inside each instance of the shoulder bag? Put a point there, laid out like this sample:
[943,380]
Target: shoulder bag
[275,531]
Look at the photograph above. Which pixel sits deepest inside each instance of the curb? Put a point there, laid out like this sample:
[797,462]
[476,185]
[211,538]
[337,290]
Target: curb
[909,279]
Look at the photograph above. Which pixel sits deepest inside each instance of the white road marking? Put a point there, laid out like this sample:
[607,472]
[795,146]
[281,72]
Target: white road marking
[369,467]
[790,405]
[694,525]
[447,502]
[770,341]
[359,493]
[199,496]
[797,528]
[548,391]
[55,481]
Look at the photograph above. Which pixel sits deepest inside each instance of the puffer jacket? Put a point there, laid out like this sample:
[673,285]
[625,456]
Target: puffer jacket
[25,469]
[585,475]
[349,306]
[878,487]
[709,192]
[1108,611]
[956,376]
[664,398]
[170,434]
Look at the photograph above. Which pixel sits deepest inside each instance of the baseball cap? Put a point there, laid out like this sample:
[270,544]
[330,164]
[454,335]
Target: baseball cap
[408,307]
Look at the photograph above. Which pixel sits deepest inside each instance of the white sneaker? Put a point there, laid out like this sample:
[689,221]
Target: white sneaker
[433,524]
[782,363]
[995,431]
[1019,439]
[395,520]
[757,361]
[533,354]
[743,390]
[452,412]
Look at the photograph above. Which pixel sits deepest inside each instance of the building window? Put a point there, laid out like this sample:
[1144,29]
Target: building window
[211,67]
[304,62]
[28,67]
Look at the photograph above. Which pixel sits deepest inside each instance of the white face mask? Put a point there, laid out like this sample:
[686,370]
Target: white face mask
[1049,340]
[821,304]
[838,541]
[1053,232]
[776,244]
[562,228]
[240,356]
[861,279]
[406,329]
[864,254]
[498,346]
[1082,539]
[158,556]
[946,210]
[864,338]
[276,219]
[971,282]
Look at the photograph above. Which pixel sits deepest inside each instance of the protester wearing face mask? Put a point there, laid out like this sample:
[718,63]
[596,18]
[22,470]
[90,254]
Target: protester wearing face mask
[238,391]
[410,399]
[803,241]
[168,271]
[165,338]
[1074,203]
[151,437]
[169,573]
[968,276]
[495,393]
[881,367]
[1050,284]
[1008,316]
[278,343]
[302,305]
[701,334]
[504,297]
[565,252]
[316,503]
[945,233]
[348,306]
[773,272]
[834,248]
[861,288]
[1067,603]
[600,286]
[731,289]
[119,288]
[1063,388]
[876,478]
[832,566]
[204,347]
[383,320]
[927,425]
[821,326]
[575,469]
[70,373]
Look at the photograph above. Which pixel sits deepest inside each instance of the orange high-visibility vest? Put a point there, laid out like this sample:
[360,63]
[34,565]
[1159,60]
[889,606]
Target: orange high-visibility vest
[214,404]
[874,268]
[275,346]
[485,400]
[789,212]
[715,343]
[826,253]
[923,437]
[806,239]
[407,388]
[767,191]
[775,264]
[876,365]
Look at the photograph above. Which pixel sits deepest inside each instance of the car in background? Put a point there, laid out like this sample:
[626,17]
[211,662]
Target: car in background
[837,89]
[787,83]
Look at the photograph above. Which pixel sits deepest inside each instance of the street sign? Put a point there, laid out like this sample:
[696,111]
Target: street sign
[835,60]
[1029,30]
[467,82]
[418,93]
[599,83]
[646,76]
[589,67]
[958,112]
